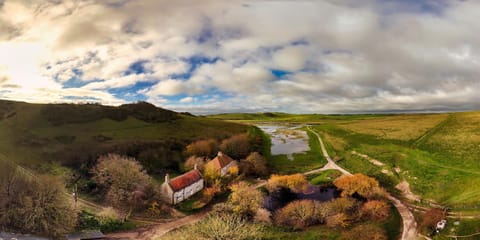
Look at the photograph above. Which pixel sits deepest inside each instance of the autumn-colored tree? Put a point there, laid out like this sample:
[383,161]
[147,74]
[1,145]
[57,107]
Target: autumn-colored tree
[125,181]
[218,227]
[202,148]
[376,210]
[360,184]
[237,146]
[338,220]
[365,232]
[210,192]
[211,175]
[431,217]
[299,214]
[345,205]
[296,182]
[194,160]
[33,204]
[255,165]
[233,171]
[245,199]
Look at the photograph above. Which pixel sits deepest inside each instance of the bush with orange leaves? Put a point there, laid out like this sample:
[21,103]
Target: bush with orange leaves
[245,199]
[296,182]
[202,148]
[364,186]
[338,220]
[376,210]
[300,214]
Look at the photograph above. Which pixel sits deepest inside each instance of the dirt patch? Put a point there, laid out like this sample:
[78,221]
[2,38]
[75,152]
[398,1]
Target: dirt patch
[404,186]
[371,160]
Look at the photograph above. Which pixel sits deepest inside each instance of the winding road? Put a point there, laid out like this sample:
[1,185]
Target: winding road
[409,224]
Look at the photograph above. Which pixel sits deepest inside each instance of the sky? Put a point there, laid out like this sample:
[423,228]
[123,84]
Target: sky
[325,56]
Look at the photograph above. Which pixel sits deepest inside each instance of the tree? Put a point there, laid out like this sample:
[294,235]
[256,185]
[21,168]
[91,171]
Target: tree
[376,210]
[365,232]
[212,175]
[33,204]
[338,220]
[300,214]
[194,160]
[296,182]
[244,199]
[126,183]
[202,148]
[237,146]
[360,184]
[345,205]
[254,165]
[218,227]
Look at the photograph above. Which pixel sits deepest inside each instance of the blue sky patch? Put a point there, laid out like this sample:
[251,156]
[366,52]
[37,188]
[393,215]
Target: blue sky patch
[137,67]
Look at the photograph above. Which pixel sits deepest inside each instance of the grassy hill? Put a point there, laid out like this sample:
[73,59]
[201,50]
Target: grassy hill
[45,136]
[438,154]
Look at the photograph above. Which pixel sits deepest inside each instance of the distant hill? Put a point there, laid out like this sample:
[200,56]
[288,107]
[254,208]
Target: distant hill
[74,135]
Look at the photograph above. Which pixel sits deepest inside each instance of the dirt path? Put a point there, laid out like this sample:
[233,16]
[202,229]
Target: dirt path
[158,230]
[409,224]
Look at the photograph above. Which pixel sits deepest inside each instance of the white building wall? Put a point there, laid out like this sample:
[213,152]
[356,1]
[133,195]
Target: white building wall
[187,192]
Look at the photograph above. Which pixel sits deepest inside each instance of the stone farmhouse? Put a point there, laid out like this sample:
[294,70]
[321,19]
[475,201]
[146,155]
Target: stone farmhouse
[222,163]
[182,187]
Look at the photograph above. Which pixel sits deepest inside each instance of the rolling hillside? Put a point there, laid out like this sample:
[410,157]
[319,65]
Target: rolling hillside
[44,136]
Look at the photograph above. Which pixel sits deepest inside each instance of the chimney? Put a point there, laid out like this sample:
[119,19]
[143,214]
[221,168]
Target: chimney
[167,178]
[220,154]
[195,167]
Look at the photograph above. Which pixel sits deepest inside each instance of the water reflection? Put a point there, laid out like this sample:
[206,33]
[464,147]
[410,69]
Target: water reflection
[281,197]
[286,140]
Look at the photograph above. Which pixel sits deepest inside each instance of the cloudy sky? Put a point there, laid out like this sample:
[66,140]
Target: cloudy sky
[325,56]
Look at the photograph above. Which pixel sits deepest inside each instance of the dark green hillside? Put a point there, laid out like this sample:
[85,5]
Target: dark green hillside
[74,135]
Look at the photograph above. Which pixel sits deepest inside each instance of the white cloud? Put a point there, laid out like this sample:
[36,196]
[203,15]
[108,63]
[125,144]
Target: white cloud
[186,100]
[344,55]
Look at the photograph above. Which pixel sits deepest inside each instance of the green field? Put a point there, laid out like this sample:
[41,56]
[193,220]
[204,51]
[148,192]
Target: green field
[438,154]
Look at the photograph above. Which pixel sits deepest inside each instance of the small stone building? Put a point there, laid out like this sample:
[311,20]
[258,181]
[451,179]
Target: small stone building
[222,163]
[182,187]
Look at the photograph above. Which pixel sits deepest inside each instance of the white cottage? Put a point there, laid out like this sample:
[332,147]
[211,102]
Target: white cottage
[182,187]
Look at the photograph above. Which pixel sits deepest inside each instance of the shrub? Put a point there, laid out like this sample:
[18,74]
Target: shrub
[296,182]
[300,214]
[34,204]
[202,148]
[209,193]
[254,165]
[237,146]
[376,210]
[194,160]
[218,227]
[360,184]
[211,175]
[365,232]
[127,184]
[343,205]
[245,200]
[338,220]
[263,216]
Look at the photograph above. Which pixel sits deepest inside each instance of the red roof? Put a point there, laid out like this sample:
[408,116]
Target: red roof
[185,180]
[220,161]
